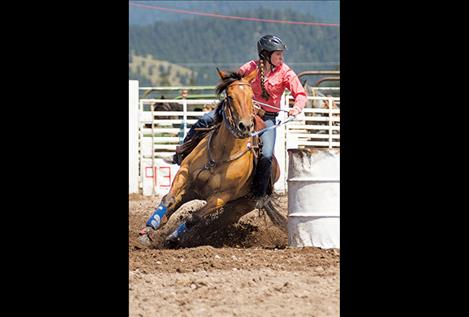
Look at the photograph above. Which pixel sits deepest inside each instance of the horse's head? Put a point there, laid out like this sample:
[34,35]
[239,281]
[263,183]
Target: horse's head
[238,108]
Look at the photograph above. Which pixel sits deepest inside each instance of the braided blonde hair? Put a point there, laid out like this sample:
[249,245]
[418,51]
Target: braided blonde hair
[265,95]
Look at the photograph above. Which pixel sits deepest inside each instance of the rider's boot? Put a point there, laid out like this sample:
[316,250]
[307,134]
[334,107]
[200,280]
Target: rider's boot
[261,182]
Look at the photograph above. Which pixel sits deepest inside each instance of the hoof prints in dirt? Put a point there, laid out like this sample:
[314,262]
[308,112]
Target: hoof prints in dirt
[248,273]
[252,230]
[238,235]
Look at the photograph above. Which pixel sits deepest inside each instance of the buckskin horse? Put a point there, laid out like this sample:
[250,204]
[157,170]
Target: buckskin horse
[219,170]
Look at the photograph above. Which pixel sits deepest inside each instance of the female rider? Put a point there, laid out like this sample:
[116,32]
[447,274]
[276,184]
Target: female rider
[274,76]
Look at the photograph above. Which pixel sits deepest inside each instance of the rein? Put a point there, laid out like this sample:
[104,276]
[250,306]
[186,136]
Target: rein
[266,105]
[211,162]
[274,126]
[229,123]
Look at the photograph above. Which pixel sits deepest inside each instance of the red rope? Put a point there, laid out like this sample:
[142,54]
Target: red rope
[230,17]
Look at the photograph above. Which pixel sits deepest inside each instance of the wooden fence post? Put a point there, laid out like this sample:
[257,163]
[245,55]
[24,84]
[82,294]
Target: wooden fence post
[133,136]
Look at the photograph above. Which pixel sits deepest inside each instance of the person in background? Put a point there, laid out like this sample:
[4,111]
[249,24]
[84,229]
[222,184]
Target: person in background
[184,93]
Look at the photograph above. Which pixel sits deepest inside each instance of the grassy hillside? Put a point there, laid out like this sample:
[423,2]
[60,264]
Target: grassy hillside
[159,73]
[200,44]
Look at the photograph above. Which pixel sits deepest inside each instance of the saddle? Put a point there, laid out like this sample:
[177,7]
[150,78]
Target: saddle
[186,148]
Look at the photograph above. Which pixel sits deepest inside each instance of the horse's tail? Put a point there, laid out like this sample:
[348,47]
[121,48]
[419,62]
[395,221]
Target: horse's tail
[275,215]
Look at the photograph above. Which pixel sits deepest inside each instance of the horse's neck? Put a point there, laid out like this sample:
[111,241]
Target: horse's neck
[226,144]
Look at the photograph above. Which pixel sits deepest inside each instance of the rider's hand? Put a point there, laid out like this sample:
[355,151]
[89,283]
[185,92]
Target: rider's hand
[293,111]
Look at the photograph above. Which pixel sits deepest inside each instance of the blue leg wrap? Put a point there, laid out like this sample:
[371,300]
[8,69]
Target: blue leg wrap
[155,220]
[178,232]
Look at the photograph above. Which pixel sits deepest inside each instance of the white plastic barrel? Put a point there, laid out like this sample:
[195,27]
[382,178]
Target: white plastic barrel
[314,198]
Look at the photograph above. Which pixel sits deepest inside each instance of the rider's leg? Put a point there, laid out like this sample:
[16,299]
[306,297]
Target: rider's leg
[207,120]
[264,164]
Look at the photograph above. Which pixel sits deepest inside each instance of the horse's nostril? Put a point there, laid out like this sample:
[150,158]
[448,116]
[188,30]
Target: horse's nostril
[241,127]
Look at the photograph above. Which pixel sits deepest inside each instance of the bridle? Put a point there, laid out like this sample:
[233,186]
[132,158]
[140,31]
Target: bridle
[234,131]
[228,116]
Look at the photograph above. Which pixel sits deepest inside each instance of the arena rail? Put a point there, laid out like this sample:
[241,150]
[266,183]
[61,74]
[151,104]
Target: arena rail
[154,135]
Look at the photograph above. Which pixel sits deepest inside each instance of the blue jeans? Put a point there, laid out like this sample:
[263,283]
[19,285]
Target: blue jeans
[268,137]
[207,120]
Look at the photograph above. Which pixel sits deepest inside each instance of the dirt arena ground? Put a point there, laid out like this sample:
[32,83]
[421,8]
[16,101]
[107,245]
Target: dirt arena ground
[245,270]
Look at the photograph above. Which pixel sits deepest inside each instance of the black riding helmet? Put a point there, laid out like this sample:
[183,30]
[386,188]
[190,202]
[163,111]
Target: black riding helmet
[268,44]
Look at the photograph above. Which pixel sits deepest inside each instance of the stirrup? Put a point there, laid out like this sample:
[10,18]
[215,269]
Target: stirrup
[175,159]
[170,159]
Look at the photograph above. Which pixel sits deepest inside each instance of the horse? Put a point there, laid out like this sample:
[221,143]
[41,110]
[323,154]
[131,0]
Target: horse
[219,170]
[166,106]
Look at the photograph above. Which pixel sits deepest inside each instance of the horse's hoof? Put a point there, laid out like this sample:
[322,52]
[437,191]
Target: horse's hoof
[174,239]
[146,237]
[171,243]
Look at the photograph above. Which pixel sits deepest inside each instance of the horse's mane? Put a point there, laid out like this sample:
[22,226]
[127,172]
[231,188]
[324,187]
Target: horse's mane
[230,78]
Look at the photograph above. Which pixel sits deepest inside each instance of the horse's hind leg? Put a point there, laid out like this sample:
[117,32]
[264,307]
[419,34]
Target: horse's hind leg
[232,212]
[214,203]
[197,228]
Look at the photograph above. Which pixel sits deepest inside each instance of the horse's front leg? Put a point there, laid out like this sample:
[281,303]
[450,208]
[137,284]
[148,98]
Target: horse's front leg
[177,196]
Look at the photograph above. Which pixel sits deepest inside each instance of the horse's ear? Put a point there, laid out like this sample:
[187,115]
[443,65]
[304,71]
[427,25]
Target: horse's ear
[221,73]
[251,75]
